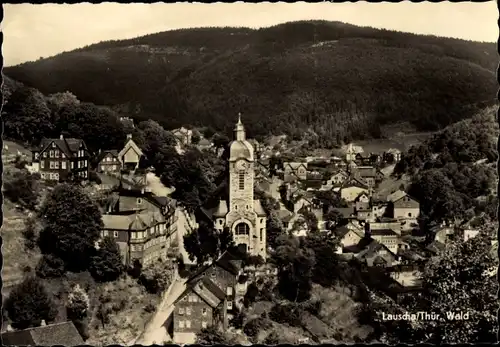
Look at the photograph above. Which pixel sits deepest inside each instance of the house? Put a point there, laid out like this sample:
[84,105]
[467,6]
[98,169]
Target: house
[387,237]
[337,178]
[384,223]
[393,155]
[379,209]
[59,334]
[362,201]
[143,225]
[403,206]
[407,275]
[130,155]
[183,135]
[108,161]
[368,174]
[377,254]
[62,159]
[348,237]
[295,170]
[352,188]
[363,158]
[209,295]
[375,159]
[300,202]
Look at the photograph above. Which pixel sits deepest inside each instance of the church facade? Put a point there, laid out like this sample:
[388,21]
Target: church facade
[241,212]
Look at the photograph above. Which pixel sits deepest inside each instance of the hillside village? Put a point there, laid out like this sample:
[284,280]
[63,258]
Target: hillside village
[349,199]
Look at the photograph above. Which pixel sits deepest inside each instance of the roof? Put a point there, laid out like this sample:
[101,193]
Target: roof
[221,210]
[353,182]
[398,194]
[229,262]
[346,211]
[285,215]
[103,154]
[371,250]
[294,165]
[257,207]
[67,146]
[136,221]
[64,334]
[383,232]
[241,150]
[130,145]
[394,151]
[364,171]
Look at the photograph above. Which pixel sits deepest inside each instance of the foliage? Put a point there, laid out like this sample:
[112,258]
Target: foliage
[26,116]
[30,233]
[286,313]
[274,229]
[211,336]
[254,326]
[106,264]
[250,295]
[295,264]
[72,225]
[29,303]
[326,264]
[20,186]
[50,266]
[207,242]
[78,303]
[454,77]
[157,277]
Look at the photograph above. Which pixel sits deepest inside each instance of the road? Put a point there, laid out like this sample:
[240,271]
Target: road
[156,331]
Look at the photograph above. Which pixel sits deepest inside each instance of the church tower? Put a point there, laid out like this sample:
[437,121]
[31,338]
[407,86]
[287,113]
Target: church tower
[244,216]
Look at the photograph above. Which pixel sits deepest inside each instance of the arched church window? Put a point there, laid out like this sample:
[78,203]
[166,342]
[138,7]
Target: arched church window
[242,229]
[241,180]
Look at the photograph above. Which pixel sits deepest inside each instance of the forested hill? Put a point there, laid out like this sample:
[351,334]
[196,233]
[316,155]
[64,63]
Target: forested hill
[339,80]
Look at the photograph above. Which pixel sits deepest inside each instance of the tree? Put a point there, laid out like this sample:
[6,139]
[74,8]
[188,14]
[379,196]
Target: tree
[220,141]
[211,336]
[207,243]
[157,277]
[71,226]
[325,268]
[295,264]
[155,138]
[50,266]
[26,116]
[195,138]
[106,264]
[208,132]
[333,219]
[29,303]
[460,279]
[78,303]
[274,229]
[22,187]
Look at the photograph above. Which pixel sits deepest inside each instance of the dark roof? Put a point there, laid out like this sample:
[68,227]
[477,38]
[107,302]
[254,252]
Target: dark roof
[213,288]
[229,262]
[68,146]
[102,154]
[367,171]
[346,211]
[382,232]
[54,334]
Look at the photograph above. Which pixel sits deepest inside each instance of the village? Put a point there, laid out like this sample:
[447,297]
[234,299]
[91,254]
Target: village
[350,196]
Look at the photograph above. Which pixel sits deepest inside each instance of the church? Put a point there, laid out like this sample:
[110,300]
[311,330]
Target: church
[240,211]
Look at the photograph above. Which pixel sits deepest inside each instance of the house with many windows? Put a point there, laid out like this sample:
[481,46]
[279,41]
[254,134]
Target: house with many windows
[61,159]
[108,161]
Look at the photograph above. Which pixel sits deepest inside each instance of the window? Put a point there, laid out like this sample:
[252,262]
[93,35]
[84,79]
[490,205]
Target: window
[56,165]
[56,153]
[261,232]
[51,154]
[204,311]
[242,229]
[181,324]
[45,154]
[409,214]
[241,180]
[181,310]
[53,144]
[42,164]
[139,201]
[56,176]
[203,325]
[62,155]
[195,298]
[188,311]
[115,234]
[114,167]
[42,175]
[72,165]
[229,290]
[188,324]
[230,305]
[85,162]
[63,165]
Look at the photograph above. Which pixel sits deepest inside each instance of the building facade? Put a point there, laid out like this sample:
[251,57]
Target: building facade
[242,214]
[131,154]
[109,161]
[62,159]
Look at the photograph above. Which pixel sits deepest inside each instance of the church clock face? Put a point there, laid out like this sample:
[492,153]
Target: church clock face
[241,165]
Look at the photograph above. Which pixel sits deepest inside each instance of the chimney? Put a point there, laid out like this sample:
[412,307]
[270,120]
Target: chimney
[129,136]
[9,328]
[42,324]
[61,137]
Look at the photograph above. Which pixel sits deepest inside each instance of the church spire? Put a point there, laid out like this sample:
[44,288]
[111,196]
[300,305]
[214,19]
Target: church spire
[239,130]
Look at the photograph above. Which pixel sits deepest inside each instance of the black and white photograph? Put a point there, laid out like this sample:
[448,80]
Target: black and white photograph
[249,173]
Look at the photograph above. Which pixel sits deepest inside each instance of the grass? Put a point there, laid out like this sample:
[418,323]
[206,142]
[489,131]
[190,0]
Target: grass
[126,300]
[15,256]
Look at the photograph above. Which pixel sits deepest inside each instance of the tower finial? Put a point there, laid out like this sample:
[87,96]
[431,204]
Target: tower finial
[239,118]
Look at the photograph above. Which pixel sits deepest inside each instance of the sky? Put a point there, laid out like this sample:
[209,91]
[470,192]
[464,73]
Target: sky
[34,31]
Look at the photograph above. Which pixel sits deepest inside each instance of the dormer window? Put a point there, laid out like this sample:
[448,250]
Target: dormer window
[53,145]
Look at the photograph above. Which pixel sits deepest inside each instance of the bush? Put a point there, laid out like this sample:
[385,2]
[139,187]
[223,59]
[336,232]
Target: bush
[93,177]
[250,295]
[29,303]
[78,303]
[253,327]
[149,308]
[106,265]
[30,234]
[50,266]
[134,271]
[157,277]
[286,314]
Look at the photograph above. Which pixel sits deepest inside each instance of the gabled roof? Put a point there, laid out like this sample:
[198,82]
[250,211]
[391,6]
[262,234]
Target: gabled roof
[353,182]
[366,171]
[383,232]
[398,194]
[372,250]
[230,262]
[64,334]
[129,145]
[67,146]
[103,154]
[257,207]
[294,165]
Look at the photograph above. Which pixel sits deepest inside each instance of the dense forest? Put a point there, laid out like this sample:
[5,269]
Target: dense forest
[341,81]
[454,172]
